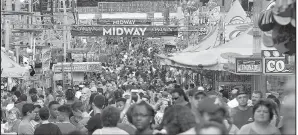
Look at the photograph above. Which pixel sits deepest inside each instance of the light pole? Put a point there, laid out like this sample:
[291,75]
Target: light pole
[64,41]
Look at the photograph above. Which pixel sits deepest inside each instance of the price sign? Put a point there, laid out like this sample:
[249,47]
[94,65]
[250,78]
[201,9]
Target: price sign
[276,66]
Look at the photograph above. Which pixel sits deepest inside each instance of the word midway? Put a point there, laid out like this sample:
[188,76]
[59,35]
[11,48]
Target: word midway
[124,31]
[124,22]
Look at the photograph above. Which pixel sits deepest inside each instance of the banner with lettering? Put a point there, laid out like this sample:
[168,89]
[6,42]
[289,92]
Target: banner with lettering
[134,31]
[78,67]
[249,65]
[123,22]
[137,6]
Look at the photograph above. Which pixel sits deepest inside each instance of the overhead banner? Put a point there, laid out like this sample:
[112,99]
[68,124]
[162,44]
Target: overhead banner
[249,65]
[123,22]
[78,67]
[137,6]
[134,31]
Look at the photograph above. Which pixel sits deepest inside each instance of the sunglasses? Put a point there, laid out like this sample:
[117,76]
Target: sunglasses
[175,98]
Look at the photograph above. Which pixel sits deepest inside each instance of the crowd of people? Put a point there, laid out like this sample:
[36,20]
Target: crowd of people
[133,106]
[130,97]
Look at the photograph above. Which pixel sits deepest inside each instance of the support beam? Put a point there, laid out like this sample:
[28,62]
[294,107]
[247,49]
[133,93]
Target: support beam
[7,34]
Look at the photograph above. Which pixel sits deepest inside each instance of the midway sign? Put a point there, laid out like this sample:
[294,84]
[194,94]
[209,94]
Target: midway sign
[133,31]
[123,22]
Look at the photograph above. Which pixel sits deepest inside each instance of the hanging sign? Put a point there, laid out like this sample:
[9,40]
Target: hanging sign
[137,6]
[123,22]
[276,66]
[135,31]
[275,62]
[249,65]
[78,67]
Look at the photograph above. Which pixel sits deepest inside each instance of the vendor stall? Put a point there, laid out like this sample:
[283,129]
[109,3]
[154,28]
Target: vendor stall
[76,71]
[10,68]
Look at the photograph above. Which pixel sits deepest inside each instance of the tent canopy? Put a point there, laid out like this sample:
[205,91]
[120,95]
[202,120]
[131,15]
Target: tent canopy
[241,46]
[10,67]
[235,13]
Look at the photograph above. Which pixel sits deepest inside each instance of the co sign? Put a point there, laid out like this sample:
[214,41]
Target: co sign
[275,66]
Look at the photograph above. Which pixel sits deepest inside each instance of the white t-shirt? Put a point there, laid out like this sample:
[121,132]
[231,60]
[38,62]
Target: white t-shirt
[234,103]
[110,131]
[158,117]
[78,94]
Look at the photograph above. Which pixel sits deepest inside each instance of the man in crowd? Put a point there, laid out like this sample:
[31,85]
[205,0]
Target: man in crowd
[64,124]
[195,96]
[179,97]
[95,121]
[241,114]
[46,128]
[256,96]
[32,92]
[23,100]
[233,103]
[36,121]
[93,88]
[25,127]
[53,107]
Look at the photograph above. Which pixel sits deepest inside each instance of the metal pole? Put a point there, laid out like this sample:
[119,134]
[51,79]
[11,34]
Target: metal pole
[187,27]
[18,54]
[71,73]
[64,42]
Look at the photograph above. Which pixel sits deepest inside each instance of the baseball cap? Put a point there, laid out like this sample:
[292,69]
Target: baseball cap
[240,92]
[195,92]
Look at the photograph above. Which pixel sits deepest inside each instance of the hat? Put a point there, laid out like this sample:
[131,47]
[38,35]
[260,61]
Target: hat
[240,92]
[234,91]
[201,88]
[200,93]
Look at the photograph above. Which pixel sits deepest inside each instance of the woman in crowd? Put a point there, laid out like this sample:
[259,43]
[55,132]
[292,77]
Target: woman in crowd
[13,121]
[160,111]
[141,115]
[263,112]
